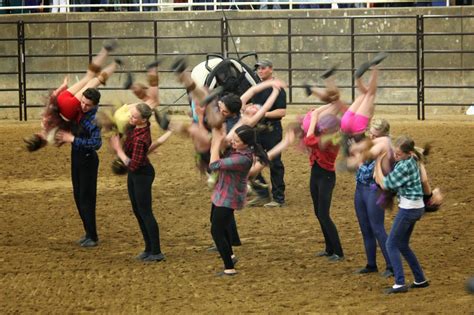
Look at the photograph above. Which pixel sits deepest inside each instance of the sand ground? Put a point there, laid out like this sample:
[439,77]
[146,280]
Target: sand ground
[43,269]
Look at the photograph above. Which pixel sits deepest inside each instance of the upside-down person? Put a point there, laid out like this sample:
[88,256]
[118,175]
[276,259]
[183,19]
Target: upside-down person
[64,104]
[356,119]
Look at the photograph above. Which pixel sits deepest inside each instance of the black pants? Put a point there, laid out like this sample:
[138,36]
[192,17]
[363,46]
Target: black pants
[322,184]
[233,233]
[269,139]
[84,168]
[221,220]
[139,191]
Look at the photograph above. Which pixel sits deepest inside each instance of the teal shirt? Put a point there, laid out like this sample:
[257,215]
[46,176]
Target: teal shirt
[405,180]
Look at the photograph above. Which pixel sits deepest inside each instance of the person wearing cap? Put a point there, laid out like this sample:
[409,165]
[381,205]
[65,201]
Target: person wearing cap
[268,138]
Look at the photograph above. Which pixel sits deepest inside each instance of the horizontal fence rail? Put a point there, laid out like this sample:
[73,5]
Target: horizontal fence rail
[209,5]
[299,55]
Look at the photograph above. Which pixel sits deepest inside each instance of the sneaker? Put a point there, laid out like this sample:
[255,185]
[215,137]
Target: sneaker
[336,257]
[212,180]
[89,243]
[212,248]
[258,201]
[162,118]
[128,81]
[387,273]
[328,73]
[142,255]
[82,239]
[323,254]
[152,65]
[366,269]
[157,257]
[274,204]
[378,58]
[307,90]
[392,290]
[420,285]
[212,95]
[179,66]
[259,184]
[361,70]
[111,45]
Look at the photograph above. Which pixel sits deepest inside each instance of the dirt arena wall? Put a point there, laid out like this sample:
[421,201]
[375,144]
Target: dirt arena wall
[43,270]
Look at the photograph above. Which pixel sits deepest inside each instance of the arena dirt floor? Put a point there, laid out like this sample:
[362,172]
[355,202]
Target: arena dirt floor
[44,270]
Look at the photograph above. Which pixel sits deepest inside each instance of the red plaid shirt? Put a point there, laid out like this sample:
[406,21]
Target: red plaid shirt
[136,147]
[231,187]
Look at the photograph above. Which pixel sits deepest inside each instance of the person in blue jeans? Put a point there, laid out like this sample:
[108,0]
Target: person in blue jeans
[406,181]
[370,214]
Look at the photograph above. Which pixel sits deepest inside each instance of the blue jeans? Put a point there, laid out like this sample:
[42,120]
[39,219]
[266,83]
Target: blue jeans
[398,243]
[371,221]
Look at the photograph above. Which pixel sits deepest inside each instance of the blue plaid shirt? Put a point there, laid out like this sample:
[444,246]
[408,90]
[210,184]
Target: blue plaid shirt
[405,180]
[89,137]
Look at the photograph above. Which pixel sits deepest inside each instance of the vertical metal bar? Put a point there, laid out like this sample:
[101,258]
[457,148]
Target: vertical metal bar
[224,37]
[89,39]
[352,58]
[23,65]
[420,66]
[418,72]
[155,40]
[20,41]
[290,65]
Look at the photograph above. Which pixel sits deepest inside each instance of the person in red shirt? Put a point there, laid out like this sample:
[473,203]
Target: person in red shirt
[64,104]
[323,179]
[134,154]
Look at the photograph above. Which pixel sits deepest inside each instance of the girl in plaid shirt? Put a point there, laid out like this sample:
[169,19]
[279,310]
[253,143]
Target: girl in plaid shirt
[406,181]
[231,187]
[140,178]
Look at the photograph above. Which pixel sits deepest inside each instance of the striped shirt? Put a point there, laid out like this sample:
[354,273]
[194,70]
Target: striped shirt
[405,180]
[231,187]
[87,138]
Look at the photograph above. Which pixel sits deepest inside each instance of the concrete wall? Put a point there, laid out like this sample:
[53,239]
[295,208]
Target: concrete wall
[316,43]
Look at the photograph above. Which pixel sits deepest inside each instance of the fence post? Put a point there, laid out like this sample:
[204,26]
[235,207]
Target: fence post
[352,58]
[224,37]
[21,59]
[290,65]
[89,39]
[420,65]
[155,40]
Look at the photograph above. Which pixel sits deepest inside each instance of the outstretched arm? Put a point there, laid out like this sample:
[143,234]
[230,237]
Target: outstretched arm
[160,141]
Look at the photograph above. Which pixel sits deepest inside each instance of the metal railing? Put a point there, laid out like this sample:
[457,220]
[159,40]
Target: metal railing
[292,62]
[209,5]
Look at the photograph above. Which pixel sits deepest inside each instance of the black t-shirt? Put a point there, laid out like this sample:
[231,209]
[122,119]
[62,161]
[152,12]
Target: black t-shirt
[280,102]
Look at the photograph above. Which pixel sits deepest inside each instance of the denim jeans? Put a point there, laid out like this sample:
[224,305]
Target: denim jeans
[371,221]
[398,243]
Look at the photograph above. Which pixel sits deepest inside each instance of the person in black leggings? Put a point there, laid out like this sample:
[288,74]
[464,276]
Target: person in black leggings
[323,179]
[231,188]
[140,178]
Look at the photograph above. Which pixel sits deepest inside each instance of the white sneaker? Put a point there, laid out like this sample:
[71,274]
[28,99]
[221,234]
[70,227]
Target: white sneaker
[274,204]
